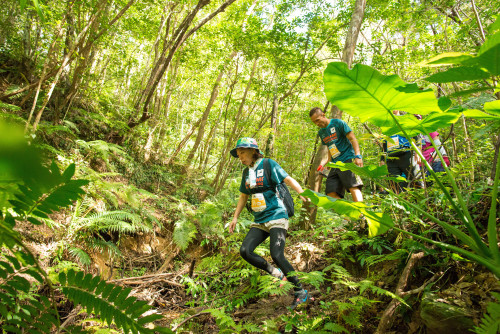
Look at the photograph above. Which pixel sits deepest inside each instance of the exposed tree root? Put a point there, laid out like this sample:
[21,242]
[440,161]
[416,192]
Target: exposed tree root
[387,317]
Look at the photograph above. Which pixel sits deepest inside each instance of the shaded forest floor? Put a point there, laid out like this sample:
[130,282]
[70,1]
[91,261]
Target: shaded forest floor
[348,296]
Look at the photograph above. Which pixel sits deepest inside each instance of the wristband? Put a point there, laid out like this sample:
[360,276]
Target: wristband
[358,156]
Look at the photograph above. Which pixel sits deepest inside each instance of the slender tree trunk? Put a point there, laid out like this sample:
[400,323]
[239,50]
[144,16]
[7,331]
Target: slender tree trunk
[45,69]
[183,142]
[478,20]
[495,157]
[468,140]
[66,61]
[218,181]
[204,117]
[269,152]
[178,39]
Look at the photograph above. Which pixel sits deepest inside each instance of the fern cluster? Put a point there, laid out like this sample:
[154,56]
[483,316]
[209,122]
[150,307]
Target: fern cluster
[30,192]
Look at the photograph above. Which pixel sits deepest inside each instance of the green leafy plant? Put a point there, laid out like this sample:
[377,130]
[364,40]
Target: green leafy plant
[491,321]
[38,191]
[371,96]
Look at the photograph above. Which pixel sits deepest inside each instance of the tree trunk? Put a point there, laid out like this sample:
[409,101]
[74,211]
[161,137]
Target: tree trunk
[178,38]
[183,142]
[468,140]
[204,117]
[495,157]
[269,152]
[219,179]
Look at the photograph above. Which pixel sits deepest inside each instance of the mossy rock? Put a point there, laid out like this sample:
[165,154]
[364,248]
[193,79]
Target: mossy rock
[444,318]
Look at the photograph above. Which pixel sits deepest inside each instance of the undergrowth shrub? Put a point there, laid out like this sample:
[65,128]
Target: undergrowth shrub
[30,192]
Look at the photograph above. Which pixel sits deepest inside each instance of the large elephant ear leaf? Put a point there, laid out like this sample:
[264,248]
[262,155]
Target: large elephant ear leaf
[378,223]
[474,113]
[448,58]
[492,107]
[413,126]
[462,73]
[371,96]
[350,209]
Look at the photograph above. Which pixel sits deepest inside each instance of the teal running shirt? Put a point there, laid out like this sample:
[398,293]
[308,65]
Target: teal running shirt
[275,209]
[334,137]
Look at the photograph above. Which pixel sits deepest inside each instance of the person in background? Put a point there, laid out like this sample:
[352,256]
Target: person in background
[270,215]
[431,155]
[401,161]
[342,146]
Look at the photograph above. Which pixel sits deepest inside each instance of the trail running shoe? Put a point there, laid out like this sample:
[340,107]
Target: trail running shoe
[300,297]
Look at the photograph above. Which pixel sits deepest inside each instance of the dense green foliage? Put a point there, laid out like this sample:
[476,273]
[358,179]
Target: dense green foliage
[135,105]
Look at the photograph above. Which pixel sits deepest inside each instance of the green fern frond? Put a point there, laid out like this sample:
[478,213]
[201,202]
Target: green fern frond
[111,302]
[80,255]
[103,246]
[490,324]
[20,308]
[335,328]
[338,272]
[112,220]
[58,191]
[269,285]
[365,284]
[184,233]
[314,278]
[49,129]
[397,255]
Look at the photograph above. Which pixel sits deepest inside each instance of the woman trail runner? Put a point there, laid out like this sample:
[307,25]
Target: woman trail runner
[270,215]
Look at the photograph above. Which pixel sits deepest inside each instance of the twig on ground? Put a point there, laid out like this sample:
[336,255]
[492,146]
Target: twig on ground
[191,317]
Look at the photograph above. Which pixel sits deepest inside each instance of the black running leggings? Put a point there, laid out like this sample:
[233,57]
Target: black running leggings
[257,236]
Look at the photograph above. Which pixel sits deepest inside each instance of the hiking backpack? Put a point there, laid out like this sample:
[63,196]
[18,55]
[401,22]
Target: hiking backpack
[281,190]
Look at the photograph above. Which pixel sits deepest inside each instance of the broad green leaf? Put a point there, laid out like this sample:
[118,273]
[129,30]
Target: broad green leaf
[469,91]
[478,114]
[494,27]
[378,223]
[448,58]
[462,73]
[430,123]
[491,42]
[492,107]
[38,10]
[444,103]
[370,171]
[23,4]
[350,209]
[369,95]
[69,172]
[491,59]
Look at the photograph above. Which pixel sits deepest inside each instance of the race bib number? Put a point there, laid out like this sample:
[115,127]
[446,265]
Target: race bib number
[258,202]
[393,144]
[334,151]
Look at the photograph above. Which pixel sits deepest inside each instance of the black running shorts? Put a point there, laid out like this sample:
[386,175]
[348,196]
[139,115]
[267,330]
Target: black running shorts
[341,181]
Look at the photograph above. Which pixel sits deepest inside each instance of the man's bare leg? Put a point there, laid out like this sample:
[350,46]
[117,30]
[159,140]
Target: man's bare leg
[357,196]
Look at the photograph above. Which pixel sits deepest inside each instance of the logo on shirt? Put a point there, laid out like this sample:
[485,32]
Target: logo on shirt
[332,130]
[260,172]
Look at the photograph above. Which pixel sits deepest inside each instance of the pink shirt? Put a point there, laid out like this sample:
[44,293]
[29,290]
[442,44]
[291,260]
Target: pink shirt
[429,152]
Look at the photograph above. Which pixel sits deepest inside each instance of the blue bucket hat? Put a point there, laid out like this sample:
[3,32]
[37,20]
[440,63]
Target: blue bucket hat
[245,142]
